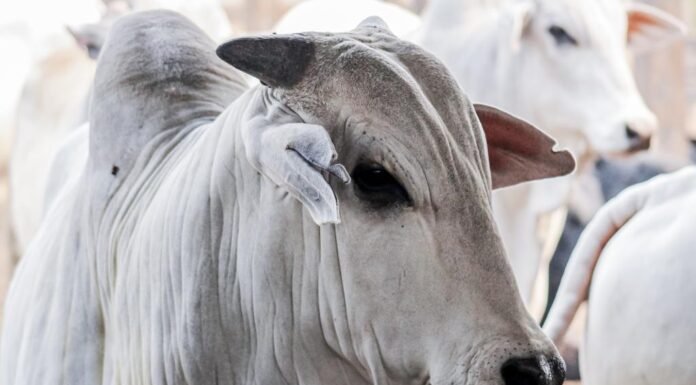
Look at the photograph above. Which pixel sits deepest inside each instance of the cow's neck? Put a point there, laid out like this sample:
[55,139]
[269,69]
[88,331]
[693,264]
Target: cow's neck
[279,317]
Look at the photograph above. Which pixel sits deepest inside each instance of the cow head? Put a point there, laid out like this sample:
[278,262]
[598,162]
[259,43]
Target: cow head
[570,59]
[412,285]
[561,64]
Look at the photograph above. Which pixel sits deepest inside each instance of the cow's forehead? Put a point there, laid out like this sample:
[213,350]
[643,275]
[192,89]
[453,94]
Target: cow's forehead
[363,60]
[372,72]
[406,91]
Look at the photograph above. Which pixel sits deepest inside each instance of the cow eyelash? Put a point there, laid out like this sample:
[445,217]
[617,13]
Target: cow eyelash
[378,187]
[561,36]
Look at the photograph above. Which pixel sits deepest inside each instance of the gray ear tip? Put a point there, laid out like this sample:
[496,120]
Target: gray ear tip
[277,60]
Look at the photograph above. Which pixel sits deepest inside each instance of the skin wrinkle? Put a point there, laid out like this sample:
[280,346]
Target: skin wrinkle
[385,156]
[351,355]
[341,351]
[168,211]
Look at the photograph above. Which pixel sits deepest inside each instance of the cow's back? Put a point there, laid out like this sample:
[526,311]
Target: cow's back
[640,322]
[158,84]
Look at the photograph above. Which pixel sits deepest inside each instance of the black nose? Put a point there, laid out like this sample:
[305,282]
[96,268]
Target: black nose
[533,371]
[636,141]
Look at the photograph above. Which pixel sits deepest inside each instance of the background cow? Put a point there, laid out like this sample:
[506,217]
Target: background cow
[53,103]
[635,261]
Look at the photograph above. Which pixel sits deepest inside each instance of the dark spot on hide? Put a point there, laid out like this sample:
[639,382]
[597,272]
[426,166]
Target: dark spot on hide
[114,170]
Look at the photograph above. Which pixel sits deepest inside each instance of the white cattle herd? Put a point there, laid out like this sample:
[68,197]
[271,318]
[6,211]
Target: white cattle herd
[365,213]
[562,65]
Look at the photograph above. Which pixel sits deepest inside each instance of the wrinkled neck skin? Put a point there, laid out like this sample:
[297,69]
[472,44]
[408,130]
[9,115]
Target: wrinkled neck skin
[245,296]
[280,322]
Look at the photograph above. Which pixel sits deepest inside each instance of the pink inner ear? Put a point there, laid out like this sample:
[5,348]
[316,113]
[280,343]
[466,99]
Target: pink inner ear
[517,151]
[639,20]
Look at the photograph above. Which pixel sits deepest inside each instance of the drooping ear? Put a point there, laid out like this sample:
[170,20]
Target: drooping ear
[517,151]
[650,27]
[276,60]
[295,156]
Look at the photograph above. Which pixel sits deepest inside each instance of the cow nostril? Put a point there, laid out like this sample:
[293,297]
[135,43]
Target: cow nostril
[532,371]
[636,141]
[631,133]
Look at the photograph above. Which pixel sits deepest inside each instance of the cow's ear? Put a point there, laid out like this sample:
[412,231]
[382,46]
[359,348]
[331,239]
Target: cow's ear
[649,27]
[298,157]
[517,151]
[518,20]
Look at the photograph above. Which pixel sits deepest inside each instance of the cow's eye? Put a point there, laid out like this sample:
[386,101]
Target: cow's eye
[374,184]
[561,36]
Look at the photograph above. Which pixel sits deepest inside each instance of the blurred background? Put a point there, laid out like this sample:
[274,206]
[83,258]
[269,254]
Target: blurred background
[35,42]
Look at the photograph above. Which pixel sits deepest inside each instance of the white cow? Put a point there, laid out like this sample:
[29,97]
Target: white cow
[636,260]
[560,64]
[202,244]
[53,104]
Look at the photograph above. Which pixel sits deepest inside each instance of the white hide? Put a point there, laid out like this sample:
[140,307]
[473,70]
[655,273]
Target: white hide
[180,253]
[67,164]
[53,103]
[636,259]
[503,54]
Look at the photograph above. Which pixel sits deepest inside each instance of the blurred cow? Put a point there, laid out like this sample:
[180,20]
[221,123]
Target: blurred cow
[53,104]
[337,15]
[590,191]
[635,261]
[560,64]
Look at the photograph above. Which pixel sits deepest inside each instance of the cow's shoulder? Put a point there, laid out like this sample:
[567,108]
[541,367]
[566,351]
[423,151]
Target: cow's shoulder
[157,75]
